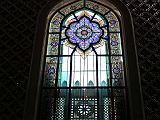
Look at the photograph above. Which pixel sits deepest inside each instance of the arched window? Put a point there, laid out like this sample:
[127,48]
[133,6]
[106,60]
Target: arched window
[83,73]
[84,63]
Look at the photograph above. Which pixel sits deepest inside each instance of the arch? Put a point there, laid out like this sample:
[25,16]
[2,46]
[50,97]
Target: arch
[128,43]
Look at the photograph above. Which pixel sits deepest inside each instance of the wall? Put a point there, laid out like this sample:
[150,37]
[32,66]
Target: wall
[17,30]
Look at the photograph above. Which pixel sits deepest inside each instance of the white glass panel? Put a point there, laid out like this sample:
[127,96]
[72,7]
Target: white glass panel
[101,50]
[67,50]
[103,70]
[83,69]
[65,73]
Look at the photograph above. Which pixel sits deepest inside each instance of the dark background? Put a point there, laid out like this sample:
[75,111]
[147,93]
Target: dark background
[17,32]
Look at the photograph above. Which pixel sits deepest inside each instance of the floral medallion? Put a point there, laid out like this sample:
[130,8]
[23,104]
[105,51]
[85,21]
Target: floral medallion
[84,34]
[84,110]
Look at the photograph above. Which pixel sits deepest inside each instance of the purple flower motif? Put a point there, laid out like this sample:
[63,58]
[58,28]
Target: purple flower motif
[54,44]
[112,22]
[114,43]
[56,22]
[116,70]
[84,33]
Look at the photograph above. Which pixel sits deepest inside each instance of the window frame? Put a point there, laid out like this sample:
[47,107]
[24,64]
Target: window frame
[136,109]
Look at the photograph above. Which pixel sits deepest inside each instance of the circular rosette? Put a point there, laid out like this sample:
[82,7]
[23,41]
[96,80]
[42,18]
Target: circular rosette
[84,110]
[84,34]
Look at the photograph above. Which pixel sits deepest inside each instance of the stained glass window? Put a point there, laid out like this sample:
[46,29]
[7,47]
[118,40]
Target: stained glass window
[84,75]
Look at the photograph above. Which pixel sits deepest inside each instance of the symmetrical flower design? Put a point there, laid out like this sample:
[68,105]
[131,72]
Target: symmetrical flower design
[84,33]
[84,110]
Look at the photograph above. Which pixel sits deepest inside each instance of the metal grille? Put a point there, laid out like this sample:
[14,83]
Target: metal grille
[107,109]
[84,108]
[60,108]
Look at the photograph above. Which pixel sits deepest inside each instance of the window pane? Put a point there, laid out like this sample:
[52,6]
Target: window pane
[55,23]
[90,79]
[117,67]
[84,70]
[101,9]
[64,72]
[115,44]
[103,71]
[53,42]
[113,22]
[50,71]
[71,8]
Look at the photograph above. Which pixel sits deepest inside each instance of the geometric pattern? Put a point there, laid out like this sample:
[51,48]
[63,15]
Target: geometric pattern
[107,108]
[60,109]
[17,30]
[84,108]
[86,33]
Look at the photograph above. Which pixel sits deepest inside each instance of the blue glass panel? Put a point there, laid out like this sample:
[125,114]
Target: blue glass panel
[117,67]
[115,44]
[113,22]
[55,23]
[53,41]
[83,32]
[50,71]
